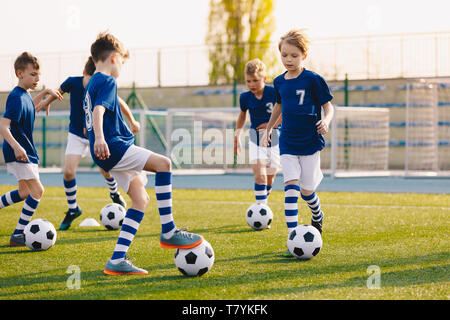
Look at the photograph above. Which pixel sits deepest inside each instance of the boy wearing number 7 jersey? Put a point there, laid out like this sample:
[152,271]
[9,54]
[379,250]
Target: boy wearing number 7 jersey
[302,95]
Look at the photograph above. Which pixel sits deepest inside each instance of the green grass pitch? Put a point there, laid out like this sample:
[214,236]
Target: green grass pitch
[405,235]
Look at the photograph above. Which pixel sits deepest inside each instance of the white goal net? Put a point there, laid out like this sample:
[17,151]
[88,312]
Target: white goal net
[427,141]
[362,141]
[359,141]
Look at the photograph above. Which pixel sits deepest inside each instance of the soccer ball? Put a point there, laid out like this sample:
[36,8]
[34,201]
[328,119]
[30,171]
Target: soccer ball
[259,216]
[304,242]
[196,261]
[39,235]
[112,215]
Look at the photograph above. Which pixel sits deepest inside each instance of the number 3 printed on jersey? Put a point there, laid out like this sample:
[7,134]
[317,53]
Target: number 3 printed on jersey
[300,93]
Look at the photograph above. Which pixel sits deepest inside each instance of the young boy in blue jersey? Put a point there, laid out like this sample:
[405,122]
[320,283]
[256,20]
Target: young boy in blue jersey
[78,144]
[20,154]
[112,148]
[302,95]
[259,102]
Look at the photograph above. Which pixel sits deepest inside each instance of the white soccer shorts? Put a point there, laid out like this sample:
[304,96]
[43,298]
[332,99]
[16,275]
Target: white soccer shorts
[131,166]
[77,146]
[269,155]
[305,169]
[23,171]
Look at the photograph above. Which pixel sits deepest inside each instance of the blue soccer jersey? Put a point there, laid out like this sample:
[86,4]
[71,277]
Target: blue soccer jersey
[301,100]
[102,90]
[260,110]
[21,111]
[74,86]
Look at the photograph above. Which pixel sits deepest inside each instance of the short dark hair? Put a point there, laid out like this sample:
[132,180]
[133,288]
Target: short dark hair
[89,67]
[104,45]
[24,59]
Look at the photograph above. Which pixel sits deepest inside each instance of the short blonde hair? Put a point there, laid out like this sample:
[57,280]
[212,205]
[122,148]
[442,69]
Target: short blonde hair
[105,44]
[255,67]
[295,37]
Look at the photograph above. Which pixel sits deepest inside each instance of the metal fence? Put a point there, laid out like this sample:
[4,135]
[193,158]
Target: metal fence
[361,57]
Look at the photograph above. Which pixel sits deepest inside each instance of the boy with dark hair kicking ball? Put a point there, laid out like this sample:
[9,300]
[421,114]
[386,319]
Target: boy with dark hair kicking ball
[78,144]
[112,148]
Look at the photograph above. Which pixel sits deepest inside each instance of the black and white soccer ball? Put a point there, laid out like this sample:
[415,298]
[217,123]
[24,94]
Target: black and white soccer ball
[304,242]
[259,216]
[195,262]
[112,215]
[40,235]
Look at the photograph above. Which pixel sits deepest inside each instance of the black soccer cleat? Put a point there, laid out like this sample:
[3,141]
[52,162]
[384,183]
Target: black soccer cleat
[70,216]
[317,224]
[117,198]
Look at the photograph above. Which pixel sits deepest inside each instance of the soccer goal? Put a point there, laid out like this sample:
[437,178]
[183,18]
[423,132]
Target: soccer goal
[203,138]
[359,142]
[195,138]
[427,141]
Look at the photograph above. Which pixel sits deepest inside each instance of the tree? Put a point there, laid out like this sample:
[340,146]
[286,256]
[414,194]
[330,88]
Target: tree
[239,30]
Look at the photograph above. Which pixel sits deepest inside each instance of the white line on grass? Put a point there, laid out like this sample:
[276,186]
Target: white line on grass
[323,204]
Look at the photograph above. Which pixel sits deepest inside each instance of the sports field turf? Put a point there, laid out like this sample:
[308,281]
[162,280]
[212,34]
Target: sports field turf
[405,235]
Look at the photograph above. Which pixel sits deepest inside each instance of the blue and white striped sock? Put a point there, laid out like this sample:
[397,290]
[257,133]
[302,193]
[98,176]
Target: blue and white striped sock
[261,193]
[130,226]
[10,198]
[28,209]
[70,187]
[269,189]
[112,185]
[313,203]
[163,190]
[291,194]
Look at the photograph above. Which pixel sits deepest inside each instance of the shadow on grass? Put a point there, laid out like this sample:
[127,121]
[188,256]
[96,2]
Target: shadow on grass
[22,249]
[403,278]
[99,286]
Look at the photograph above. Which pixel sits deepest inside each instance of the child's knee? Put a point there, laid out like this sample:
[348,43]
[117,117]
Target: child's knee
[69,173]
[141,201]
[39,192]
[260,179]
[24,193]
[138,195]
[166,165]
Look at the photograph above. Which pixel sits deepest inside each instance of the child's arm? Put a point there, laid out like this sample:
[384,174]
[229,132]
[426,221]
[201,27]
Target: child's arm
[19,152]
[44,104]
[324,125]
[274,119]
[264,125]
[280,118]
[101,149]
[135,126]
[237,137]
